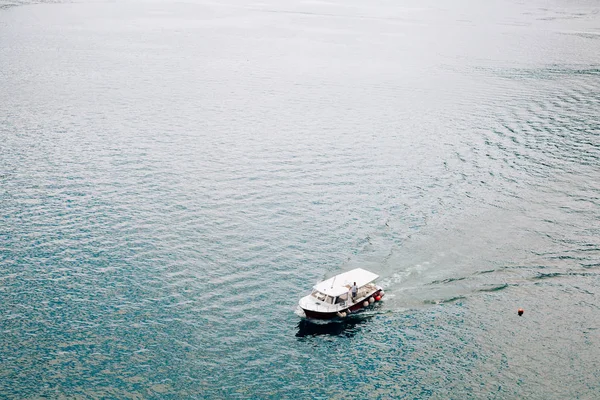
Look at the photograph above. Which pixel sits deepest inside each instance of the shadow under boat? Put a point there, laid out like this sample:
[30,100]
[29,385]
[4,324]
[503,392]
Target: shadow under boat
[335,327]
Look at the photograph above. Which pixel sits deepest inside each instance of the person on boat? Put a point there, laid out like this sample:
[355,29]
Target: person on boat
[354,290]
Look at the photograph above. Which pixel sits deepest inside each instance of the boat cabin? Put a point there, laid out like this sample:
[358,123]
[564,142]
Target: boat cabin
[341,299]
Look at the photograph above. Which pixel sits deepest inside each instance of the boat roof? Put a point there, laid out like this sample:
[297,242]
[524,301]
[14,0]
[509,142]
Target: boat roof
[340,284]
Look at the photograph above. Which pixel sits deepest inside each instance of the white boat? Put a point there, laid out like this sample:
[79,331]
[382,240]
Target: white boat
[333,297]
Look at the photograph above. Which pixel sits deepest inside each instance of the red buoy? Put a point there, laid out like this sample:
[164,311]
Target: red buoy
[520,311]
[377,298]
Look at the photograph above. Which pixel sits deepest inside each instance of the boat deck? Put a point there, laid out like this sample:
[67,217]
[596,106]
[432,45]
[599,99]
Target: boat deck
[362,292]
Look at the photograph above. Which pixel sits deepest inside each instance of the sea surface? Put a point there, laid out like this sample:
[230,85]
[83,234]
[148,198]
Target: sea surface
[174,176]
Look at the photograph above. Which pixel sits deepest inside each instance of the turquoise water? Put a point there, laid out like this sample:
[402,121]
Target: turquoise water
[175,176]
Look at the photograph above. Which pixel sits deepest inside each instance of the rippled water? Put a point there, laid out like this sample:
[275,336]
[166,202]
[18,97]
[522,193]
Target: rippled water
[175,176]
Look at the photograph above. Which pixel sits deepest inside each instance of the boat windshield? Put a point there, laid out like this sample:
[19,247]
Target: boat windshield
[318,295]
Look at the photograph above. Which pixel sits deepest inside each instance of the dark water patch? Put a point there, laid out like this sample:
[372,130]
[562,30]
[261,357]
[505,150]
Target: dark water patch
[592,265]
[347,326]
[523,267]
[448,280]
[15,3]
[445,301]
[548,275]
[493,288]
[488,271]
[549,72]
[565,257]
[583,290]
[585,35]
